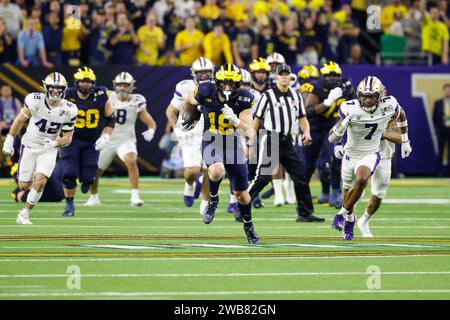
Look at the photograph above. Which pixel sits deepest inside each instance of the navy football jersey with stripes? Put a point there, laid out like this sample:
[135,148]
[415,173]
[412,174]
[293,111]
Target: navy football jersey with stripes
[91,113]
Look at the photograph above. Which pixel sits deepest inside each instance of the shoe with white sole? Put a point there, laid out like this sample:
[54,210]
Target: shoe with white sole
[137,202]
[92,201]
[203,206]
[364,228]
[23,219]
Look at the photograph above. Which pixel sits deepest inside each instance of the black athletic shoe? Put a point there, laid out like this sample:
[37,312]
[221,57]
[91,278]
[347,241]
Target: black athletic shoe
[252,237]
[210,211]
[85,187]
[310,218]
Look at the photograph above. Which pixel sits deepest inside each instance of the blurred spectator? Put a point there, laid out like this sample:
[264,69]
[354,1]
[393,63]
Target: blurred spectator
[208,13]
[327,35]
[244,43]
[189,43]
[411,28]
[234,10]
[184,8]
[86,21]
[289,43]
[266,41]
[441,121]
[435,35]
[151,39]
[348,29]
[123,41]
[217,46]
[160,7]
[35,13]
[12,15]
[110,12]
[388,13]
[9,108]
[396,27]
[355,55]
[31,46]
[5,42]
[169,58]
[73,33]
[52,33]
[98,39]
[310,43]
[227,23]
[444,11]
[172,23]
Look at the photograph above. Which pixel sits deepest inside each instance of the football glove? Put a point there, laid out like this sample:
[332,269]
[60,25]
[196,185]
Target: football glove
[229,114]
[149,134]
[339,151]
[8,146]
[102,141]
[406,149]
[333,95]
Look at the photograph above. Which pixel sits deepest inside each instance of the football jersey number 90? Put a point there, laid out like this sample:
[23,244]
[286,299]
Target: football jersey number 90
[87,119]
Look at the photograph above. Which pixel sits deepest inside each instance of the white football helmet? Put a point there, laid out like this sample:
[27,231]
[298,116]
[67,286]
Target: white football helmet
[369,92]
[246,77]
[55,86]
[274,60]
[124,78]
[202,70]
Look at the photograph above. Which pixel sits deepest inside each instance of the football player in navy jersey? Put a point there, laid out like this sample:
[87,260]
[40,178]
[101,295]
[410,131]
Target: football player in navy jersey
[226,108]
[93,129]
[325,95]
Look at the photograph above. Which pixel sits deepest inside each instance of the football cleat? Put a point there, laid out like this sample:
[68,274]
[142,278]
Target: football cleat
[268,193]
[364,228]
[233,208]
[188,201]
[338,222]
[92,201]
[348,230]
[23,219]
[257,203]
[309,218]
[85,187]
[252,237]
[69,210]
[136,202]
[203,206]
[210,211]
[323,198]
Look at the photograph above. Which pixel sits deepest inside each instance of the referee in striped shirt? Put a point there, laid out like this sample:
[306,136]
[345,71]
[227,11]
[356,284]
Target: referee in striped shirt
[280,111]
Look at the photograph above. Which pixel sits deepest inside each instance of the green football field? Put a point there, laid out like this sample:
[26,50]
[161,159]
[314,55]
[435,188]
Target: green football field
[164,251]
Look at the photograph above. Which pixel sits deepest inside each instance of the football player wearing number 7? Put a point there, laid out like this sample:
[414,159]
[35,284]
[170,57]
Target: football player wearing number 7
[128,106]
[51,126]
[225,108]
[364,119]
[93,129]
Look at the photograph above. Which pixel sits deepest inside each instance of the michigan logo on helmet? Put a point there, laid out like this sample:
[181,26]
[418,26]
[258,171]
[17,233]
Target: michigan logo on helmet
[55,86]
[228,80]
[331,74]
[308,73]
[369,92]
[202,70]
[124,84]
[82,75]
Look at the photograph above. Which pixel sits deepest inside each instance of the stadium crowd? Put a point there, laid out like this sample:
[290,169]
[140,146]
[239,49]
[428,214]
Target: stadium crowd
[177,32]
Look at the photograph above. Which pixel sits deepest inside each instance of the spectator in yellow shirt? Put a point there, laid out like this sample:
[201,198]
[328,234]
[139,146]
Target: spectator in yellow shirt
[435,35]
[217,46]
[189,43]
[151,40]
[208,13]
[388,13]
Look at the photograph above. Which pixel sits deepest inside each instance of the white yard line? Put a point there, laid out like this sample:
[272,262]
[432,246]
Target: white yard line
[34,226]
[218,219]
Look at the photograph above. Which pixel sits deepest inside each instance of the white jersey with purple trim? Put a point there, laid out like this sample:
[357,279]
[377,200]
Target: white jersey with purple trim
[387,148]
[182,90]
[47,122]
[126,115]
[365,129]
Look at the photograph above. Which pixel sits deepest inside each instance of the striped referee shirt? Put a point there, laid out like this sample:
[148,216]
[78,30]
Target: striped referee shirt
[280,110]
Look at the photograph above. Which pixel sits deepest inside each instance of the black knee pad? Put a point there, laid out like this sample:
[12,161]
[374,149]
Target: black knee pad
[70,182]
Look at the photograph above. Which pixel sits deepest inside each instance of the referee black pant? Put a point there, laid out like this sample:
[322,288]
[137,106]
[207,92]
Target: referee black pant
[283,152]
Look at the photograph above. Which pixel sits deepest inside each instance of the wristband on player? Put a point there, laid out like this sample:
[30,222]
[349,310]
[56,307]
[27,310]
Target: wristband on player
[405,137]
[402,124]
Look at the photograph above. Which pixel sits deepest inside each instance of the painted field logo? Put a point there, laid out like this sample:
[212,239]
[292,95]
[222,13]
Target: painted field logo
[373,22]
[74,278]
[374,279]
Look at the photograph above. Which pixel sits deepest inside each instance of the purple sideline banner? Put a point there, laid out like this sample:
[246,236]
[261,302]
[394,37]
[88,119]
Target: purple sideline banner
[416,89]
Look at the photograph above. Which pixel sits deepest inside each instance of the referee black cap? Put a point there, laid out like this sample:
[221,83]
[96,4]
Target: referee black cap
[283,68]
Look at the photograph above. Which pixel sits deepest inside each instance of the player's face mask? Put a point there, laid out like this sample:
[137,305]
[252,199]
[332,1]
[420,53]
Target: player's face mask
[331,81]
[260,76]
[368,102]
[228,89]
[123,90]
[55,93]
[203,76]
[85,86]
[273,67]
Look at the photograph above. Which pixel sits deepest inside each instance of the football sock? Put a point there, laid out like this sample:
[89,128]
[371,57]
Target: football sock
[246,212]
[343,211]
[214,186]
[33,197]
[25,212]
[232,199]
[134,193]
[350,217]
[69,200]
[188,189]
[366,217]
[278,188]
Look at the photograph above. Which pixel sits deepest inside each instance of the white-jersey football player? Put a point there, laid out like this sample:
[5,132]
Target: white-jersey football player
[128,106]
[364,119]
[51,123]
[190,141]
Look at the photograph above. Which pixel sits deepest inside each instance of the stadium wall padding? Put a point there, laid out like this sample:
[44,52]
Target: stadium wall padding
[416,89]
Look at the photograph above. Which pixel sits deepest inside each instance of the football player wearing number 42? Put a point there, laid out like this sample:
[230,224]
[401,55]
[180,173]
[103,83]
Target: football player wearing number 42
[128,106]
[364,119]
[93,129]
[51,124]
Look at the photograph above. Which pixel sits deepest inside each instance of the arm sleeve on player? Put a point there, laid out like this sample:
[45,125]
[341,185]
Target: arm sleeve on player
[178,99]
[141,103]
